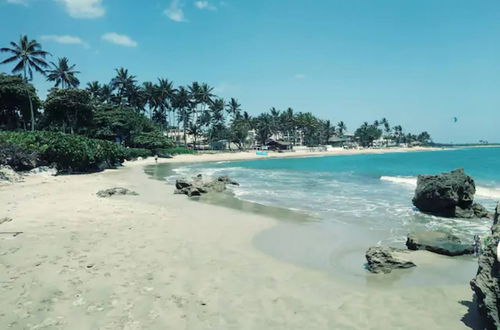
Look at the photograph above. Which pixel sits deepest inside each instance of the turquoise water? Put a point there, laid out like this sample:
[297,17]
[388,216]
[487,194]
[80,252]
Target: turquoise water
[373,191]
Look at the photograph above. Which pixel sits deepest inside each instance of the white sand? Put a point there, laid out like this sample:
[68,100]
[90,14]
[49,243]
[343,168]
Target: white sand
[246,155]
[161,261]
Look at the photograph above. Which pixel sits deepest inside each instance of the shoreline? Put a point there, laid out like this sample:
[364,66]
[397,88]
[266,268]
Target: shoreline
[251,155]
[158,260]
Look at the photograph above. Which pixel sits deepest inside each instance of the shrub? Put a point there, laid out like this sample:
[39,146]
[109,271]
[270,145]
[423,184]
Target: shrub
[175,151]
[67,151]
[151,140]
[133,153]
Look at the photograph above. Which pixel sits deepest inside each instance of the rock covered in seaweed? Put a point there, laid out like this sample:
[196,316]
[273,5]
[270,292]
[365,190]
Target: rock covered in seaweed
[115,191]
[384,259]
[486,284]
[448,194]
[437,242]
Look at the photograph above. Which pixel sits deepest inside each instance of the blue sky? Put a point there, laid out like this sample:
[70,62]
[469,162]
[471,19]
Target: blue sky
[418,63]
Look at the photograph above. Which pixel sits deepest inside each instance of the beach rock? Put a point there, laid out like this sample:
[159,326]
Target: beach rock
[384,260]
[486,284]
[7,174]
[182,183]
[198,186]
[190,191]
[19,159]
[115,191]
[446,194]
[480,211]
[437,242]
[227,180]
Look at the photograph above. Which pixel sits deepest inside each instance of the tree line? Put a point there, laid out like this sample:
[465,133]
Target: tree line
[125,109]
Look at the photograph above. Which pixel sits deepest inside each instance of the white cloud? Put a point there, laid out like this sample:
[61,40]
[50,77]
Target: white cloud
[65,39]
[119,39]
[204,5]
[300,76]
[84,8]
[19,2]
[175,12]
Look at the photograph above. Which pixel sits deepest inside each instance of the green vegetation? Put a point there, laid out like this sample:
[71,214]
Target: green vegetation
[156,117]
[69,152]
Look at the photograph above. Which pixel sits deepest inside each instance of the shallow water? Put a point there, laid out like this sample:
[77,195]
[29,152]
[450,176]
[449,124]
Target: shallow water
[355,201]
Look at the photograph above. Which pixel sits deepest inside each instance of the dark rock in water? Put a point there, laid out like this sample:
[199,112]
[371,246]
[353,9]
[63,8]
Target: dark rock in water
[182,183]
[467,213]
[486,284]
[383,259]
[480,211]
[198,186]
[115,191]
[442,194]
[441,243]
[227,180]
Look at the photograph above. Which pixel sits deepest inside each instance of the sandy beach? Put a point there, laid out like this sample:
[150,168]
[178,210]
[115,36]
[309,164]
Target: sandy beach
[162,261]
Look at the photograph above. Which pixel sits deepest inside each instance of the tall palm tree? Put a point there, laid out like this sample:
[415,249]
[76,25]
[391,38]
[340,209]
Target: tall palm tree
[182,103]
[164,94]
[123,82]
[63,74]
[234,108]
[150,91]
[29,56]
[341,127]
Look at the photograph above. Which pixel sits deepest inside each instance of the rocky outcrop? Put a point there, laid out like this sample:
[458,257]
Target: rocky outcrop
[19,159]
[486,284]
[115,191]
[448,195]
[8,175]
[385,259]
[437,242]
[198,185]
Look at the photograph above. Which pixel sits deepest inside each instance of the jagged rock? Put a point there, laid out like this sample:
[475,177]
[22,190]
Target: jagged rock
[115,191]
[227,180]
[182,183]
[19,159]
[486,284]
[480,211]
[446,194]
[437,242]
[383,259]
[198,186]
[497,214]
[7,174]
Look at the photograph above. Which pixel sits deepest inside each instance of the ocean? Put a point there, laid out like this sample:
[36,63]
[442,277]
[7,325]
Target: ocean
[373,191]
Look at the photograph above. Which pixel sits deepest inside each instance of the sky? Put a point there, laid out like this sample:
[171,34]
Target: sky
[418,63]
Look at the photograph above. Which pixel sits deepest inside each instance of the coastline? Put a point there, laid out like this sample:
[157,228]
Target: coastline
[250,155]
[158,260]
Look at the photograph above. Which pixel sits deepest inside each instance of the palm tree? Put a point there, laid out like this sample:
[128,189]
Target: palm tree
[94,89]
[63,74]
[341,128]
[123,82]
[182,103]
[234,108]
[150,96]
[29,56]
[106,94]
[164,93]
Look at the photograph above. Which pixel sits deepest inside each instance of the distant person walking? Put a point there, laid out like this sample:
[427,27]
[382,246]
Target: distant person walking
[156,158]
